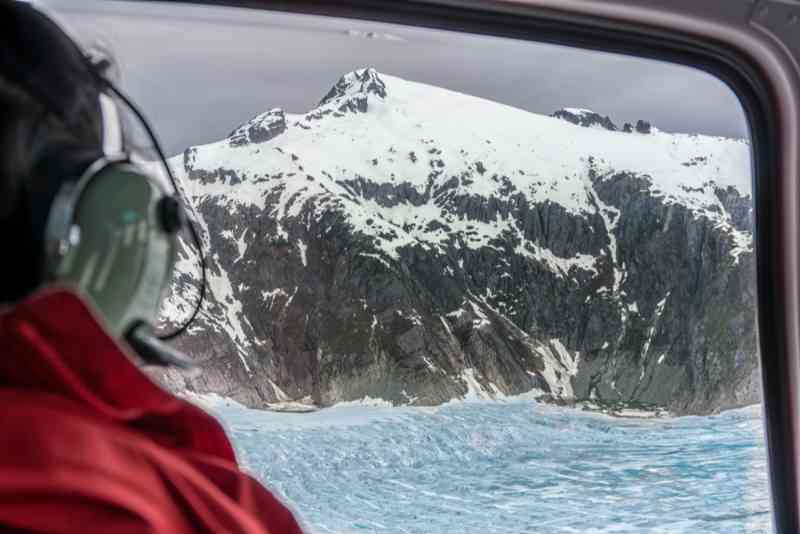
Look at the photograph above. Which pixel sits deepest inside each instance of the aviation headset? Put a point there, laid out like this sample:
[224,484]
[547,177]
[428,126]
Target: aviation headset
[101,221]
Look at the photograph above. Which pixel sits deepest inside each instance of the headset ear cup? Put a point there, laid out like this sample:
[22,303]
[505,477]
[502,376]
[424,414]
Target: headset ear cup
[124,257]
[50,193]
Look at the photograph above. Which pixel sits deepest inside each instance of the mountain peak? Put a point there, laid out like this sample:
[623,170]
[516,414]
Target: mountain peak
[356,83]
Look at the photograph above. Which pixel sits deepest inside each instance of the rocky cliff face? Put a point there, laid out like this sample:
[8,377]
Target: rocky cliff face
[408,243]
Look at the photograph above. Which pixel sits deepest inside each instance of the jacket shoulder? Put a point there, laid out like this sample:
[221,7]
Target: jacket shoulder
[69,472]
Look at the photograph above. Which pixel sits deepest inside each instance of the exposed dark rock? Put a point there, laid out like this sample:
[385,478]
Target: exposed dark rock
[643,127]
[585,118]
[263,128]
[350,325]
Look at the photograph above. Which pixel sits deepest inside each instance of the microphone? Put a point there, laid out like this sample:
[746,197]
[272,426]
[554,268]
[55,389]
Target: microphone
[144,341]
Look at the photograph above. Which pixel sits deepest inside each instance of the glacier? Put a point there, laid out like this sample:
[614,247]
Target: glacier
[515,466]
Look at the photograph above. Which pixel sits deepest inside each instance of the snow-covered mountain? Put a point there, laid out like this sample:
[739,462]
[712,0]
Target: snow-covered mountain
[405,242]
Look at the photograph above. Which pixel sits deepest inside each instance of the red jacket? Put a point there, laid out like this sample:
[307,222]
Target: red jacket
[89,444]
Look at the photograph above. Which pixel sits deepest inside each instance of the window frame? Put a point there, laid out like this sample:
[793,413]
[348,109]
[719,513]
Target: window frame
[726,39]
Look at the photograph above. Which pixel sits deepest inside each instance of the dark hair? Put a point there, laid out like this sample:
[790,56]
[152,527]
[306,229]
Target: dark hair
[49,108]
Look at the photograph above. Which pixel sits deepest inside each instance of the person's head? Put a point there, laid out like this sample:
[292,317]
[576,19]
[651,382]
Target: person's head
[50,103]
[75,209]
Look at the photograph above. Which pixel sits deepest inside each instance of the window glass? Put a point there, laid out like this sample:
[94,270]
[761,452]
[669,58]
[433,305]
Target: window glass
[459,283]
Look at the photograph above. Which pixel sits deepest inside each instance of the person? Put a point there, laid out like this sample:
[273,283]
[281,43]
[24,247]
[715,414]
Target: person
[89,443]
